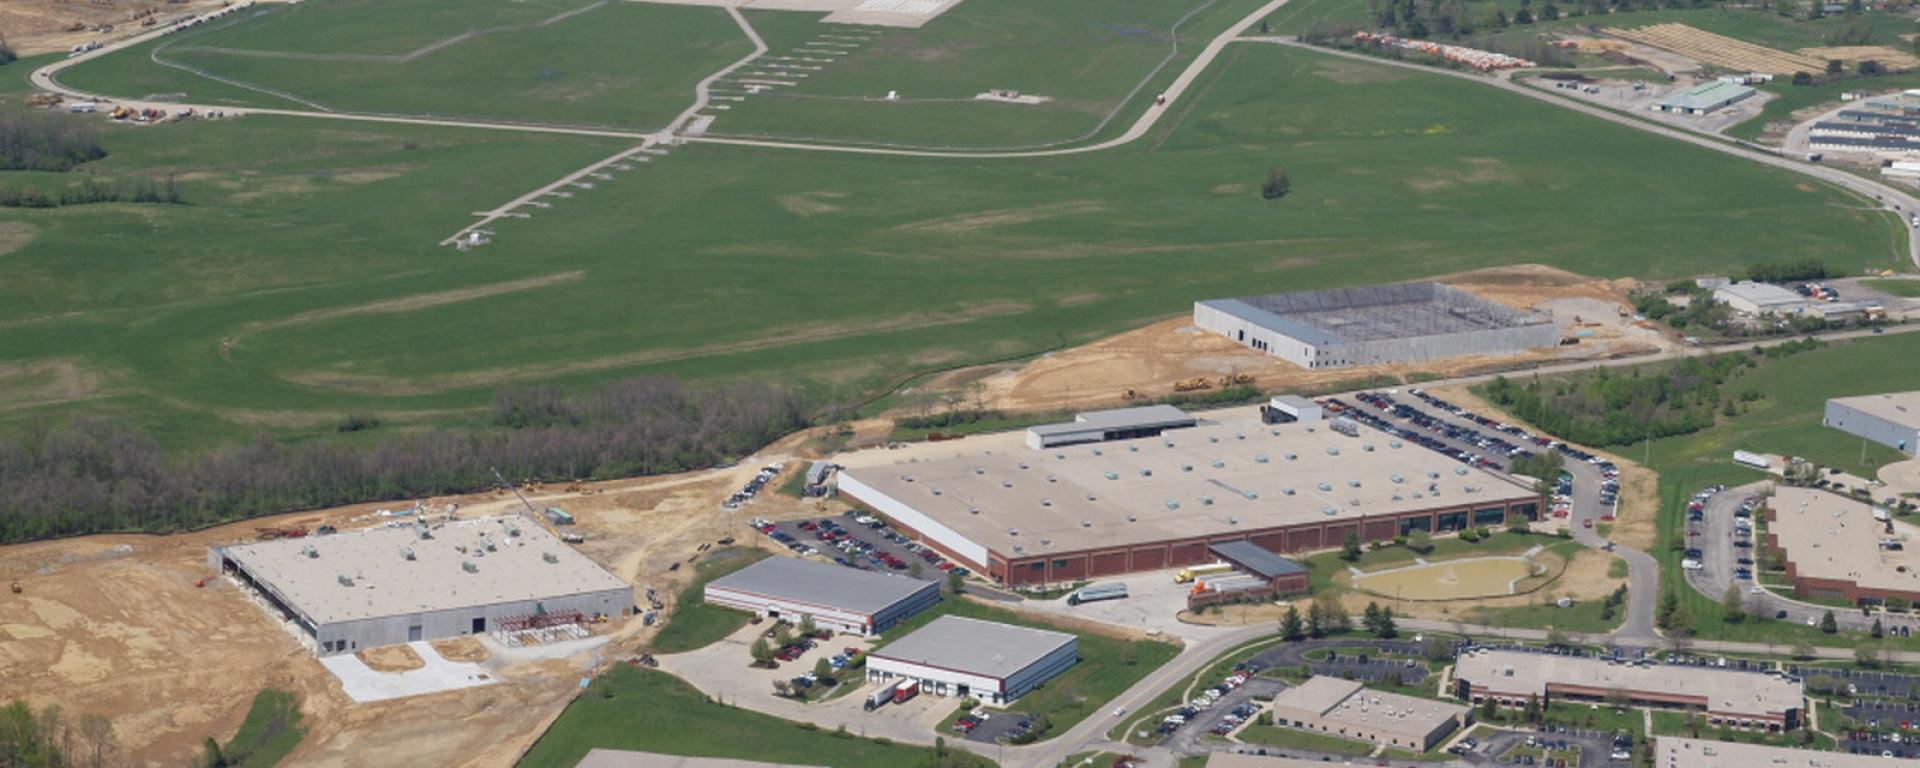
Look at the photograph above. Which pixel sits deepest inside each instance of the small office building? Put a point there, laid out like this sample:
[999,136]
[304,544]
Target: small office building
[1344,708]
[837,598]
[1114,424]
[985,660]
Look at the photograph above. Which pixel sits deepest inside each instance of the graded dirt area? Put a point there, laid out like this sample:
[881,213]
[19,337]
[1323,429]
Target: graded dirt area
[115,625]
[391,658]
[43,26]
[1146,362]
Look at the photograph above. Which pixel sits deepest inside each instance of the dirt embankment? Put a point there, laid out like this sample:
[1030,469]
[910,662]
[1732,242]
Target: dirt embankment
[34,27]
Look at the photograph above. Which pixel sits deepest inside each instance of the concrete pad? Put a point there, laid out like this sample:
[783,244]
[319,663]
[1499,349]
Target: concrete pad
[1152,602]
[1901,476]
[364,684]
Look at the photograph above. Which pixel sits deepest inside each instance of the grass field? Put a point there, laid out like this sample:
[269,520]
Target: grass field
[572,62]
[1905,288]
[1107,666]
[694,623]
[269,733]
[635,709]
[288,294]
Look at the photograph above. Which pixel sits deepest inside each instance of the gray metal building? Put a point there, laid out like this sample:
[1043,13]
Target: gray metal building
[1112,424]
[843,599]
[958,656]
[1891,419]
[1395,323]
[384,586]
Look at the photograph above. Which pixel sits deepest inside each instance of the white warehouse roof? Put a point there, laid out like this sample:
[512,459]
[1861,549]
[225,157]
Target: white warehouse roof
[974,646]
[804,581]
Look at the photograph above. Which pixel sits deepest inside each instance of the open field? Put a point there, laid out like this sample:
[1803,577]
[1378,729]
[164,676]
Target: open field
[1902,288]
[694,623]
[206,331]
[571,62]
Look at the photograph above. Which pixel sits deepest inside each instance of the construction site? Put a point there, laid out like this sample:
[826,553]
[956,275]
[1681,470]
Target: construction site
[1375,324]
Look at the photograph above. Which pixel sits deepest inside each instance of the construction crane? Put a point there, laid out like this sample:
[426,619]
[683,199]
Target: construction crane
[535,514]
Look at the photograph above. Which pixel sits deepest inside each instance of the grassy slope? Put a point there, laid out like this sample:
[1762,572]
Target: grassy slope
[270,732]
[716,261]
[634,709]
[1906,288]
[623,64]
[694,623]
[1087,55]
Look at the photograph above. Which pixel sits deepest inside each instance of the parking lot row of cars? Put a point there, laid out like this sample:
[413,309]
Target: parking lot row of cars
[1205,700]
[856,540]
[754,486]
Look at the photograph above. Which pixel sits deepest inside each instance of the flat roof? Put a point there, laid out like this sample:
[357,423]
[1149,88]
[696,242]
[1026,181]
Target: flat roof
[1897,407]
[1262,561]
[1761,293]
[1375,312]
[1346,701]
[1707,95]
[1676,752]
[974,646]
[620,758]
[1229,474]
[1828,536]
[1118,418]
[805,581]
[384,582]
[1294,401]
[1726,690]
[1233,760]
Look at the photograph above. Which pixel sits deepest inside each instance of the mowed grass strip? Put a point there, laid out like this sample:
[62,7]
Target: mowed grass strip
[619,64]
[643,710]
[696,624]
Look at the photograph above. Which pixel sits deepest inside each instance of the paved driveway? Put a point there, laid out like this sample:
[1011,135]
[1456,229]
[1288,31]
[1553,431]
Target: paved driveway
[1152,601]
[1721,556]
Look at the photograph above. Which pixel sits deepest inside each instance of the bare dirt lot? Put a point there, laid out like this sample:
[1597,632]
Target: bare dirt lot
[1148,361]
[116,625]
[45,26]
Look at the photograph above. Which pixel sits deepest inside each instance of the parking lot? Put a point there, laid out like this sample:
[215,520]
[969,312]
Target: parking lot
[1889,729]
[859,541]
[1639,97]
[990,726]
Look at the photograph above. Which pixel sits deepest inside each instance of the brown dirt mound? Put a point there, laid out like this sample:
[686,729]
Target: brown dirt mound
[391,658]
[461,649]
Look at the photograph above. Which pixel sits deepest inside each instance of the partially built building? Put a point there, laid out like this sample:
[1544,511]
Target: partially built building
[1370,325]
[420,581]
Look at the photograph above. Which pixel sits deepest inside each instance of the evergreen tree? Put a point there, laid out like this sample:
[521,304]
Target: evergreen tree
[1387,630]
[1827,623]
[1316,621]
[1350,549]
[1290,625]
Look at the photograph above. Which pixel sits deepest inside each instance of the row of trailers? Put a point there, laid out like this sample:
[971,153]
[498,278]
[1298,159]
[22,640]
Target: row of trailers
[1866,131]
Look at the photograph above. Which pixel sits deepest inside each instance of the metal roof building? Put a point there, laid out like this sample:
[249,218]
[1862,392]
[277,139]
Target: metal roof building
[845,599]
[1704,98]
[1891,419]
[1345,708]
[1368,325]
[1021,516]
[959,656]
[1759,298]
[383,586]
[1113,424]
[1254,559]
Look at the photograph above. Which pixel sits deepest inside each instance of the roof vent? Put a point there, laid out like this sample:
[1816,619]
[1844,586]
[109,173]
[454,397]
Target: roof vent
[1231,520]
[1396,477]
[1046,502]
[1367,447]
[1291,457]
[1259,458]
[1213,438]
[979,470]
[1251,495]
[1332,451]
[1461,471]
[1017,548]
[1276,433]
[1133,449]
[1326,486]
[1171,504]
[1144,472]
[1113,475]
[971,510]
[1013,531]
[469,566]
[513,531]
[1086,523]
[345,580]
[1218,464]
[1432,474]
[1206,500]
[309,551]
[1329,511]
[1186,467]
[406,553]
[1286,491]
[1052,479]
[1006,483]
[935,491]
[908,478]
[1023,465]
[550,557]
[1353,483]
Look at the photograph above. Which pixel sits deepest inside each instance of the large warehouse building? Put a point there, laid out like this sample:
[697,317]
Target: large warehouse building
[1396,323]
[384,586]
[1840,549]
[843,599]
[986,660]
[1737,698]
[1677,752]
[1344,708]
[1021,516]
[1891,419]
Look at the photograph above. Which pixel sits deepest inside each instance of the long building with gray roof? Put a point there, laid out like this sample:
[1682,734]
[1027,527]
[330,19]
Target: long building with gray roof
[843,599]
[1376,324]
[986,660]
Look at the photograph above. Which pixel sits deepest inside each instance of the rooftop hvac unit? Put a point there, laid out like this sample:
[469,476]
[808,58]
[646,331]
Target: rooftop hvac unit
[1286,491]
[908,478]
[1133,449]
[1233,520]
[1052,479]
[1366,447]
[345,580]
[1096,452]
[1169,443]
[1046,502]
[1218,464]
[1206,500]
[971,510]
[1213,438]
[1326,486]
[406,553]
[1396,497]
[1433,474]
[1396,478]
[1131,518]
[1393,444]
[1023,465]
[1113,475]
[469,566]
[1186,467]
[1353,483]
[1018,549]
[1144,472]
[1291,456]
[550,557]
[309,551]
[1006,483]
[1060,456]
[979,470]
[1171,504]
[1329,511]
[1044,541]
[1086,523]
[935,491]
[1472,489]
[1461,471]
[513,530]
[1090,497]
[1259,458]
[1332,451]
[1239,435]
[1013,531]
[1250,495]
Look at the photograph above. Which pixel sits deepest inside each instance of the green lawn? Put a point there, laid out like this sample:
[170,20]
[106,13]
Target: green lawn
[288,293]
[1667,723]
[1292,738]
[1107,666]
[269,733]
[1904,288]
[573,62]
[635,709]
[696,624]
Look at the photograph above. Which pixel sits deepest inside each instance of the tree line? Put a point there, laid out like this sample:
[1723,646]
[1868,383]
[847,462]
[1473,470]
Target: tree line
[92,474]
[1608,407]
[30,142]
[44,738]
[90,191]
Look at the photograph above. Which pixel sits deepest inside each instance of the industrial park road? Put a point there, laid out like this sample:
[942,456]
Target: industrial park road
[1899,203]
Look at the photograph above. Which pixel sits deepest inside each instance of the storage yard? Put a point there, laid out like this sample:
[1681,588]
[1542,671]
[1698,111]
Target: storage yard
[1017,515]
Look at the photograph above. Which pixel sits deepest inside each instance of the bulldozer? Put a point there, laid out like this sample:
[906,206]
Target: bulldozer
[1190,385]
[1236,379]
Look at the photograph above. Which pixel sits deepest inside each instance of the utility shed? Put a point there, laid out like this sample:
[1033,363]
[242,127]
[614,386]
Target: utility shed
[383,586]
[958,656]
[844,599]
[1114,424]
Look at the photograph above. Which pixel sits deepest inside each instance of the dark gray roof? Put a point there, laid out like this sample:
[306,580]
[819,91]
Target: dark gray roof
[805,581]
[1255,558]
[1120,418]
[975,646]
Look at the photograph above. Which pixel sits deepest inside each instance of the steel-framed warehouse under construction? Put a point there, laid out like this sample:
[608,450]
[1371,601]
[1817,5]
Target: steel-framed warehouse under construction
[1021,516]
[1369,325]
[383,586]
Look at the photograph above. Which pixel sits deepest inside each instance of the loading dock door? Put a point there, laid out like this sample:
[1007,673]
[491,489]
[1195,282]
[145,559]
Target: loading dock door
[413,634]
[480,625]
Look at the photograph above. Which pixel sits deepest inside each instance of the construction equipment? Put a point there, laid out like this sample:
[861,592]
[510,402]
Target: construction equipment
[1236,379]
[532,514]
[44,99]
[1129,395]
[15,587]
[1193,384]
[271,533]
